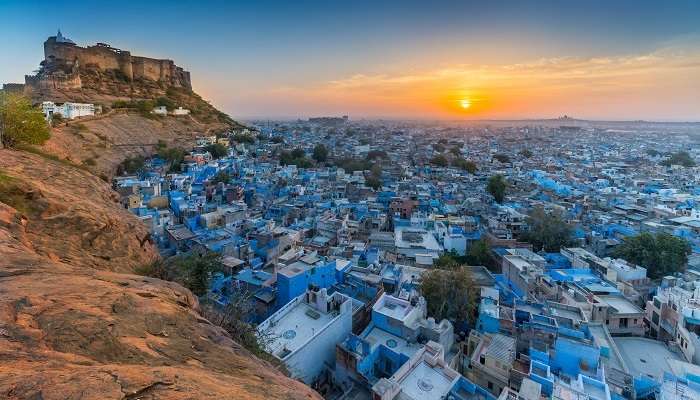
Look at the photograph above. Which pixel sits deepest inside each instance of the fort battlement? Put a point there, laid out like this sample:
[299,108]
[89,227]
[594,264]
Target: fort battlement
[63,60]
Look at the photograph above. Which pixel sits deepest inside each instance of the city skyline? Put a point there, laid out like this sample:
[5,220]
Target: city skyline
[623,61]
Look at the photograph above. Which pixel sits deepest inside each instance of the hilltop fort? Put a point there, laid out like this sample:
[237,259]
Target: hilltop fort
[102,69]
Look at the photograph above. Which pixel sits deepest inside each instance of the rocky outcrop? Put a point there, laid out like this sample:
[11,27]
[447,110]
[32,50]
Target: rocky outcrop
[74,324]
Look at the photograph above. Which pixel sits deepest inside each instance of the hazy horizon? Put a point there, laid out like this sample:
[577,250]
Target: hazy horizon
[622,61]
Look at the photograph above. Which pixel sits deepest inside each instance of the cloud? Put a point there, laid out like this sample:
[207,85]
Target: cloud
[662,84]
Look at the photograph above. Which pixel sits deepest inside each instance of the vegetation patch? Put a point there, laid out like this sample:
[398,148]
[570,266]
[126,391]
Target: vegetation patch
[18,195]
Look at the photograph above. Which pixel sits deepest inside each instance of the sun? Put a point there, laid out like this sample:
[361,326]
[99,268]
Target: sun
[465,103]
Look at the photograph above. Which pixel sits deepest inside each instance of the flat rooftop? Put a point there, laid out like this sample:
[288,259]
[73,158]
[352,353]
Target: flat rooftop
[377,336]
[645,356]
[392,307]
[294,328]
[564,312]
[425,383]
[621,304]
[294,269]
[603,339]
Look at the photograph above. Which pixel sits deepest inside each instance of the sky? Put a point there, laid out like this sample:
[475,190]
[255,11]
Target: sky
[610,60]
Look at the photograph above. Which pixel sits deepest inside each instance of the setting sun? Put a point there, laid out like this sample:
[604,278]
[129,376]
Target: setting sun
[465,103]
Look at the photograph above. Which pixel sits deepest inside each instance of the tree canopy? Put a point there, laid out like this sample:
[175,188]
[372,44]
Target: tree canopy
[244,138]
[502,158]
[496,186]
[221,176]
[194,271]
[320,153]
[525,153]
[661,254]
[295,157]
[679,158]
[172,155]
[464,164]
[131,165]
[439,160]
[20,122]
[217,150]
[450,293]
[548,231]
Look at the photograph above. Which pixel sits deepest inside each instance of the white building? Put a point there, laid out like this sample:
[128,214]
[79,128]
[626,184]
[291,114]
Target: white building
[425,376]
[412,242]
[181,111]
[67,110]
[160,110]
[303,334]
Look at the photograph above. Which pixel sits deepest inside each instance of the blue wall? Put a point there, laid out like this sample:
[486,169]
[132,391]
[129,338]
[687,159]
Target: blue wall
[289,288]
[569,355]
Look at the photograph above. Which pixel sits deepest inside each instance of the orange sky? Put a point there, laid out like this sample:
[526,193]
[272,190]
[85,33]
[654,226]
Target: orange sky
[664,82]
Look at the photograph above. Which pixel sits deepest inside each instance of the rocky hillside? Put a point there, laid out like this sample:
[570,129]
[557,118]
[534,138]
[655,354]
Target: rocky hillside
[74,324]
[102,142]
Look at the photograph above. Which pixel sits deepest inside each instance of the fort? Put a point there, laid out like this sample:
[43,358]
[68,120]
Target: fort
[64,61]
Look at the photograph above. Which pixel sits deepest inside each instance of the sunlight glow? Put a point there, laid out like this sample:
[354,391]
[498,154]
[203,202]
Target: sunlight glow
[465,103]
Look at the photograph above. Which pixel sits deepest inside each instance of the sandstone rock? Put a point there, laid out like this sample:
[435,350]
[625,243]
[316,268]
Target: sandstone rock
[74,324]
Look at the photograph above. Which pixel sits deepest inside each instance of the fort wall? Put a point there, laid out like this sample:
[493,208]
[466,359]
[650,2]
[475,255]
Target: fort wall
[69,56]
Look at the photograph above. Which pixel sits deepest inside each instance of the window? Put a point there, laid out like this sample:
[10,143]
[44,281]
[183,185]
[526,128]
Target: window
[655,318]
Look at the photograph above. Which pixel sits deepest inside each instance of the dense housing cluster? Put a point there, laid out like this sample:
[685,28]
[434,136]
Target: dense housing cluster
[580,241]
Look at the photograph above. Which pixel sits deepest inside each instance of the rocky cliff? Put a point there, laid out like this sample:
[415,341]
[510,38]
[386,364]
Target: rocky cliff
[75,324]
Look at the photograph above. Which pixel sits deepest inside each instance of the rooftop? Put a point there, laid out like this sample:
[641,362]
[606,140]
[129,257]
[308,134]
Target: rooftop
[424,382]
[621,304]
[377,336]
[645,356]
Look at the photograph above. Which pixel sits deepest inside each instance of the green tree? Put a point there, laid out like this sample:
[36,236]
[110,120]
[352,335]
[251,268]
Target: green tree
[376,154]
[479,253]
[661,254]
[439,147]
[131,165]
[450,294]
[320,153]
[448,260]
[497,186]
[56,120]
[164,101]
[465,165]
[548,231]
[174,156]
[439,160]
[679,158]
[20,122]
[217,150]
[353,164]
[244,138]
[373,182]
[145,106]
[194,271]
[295,157]
[502,158]
[221,176]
